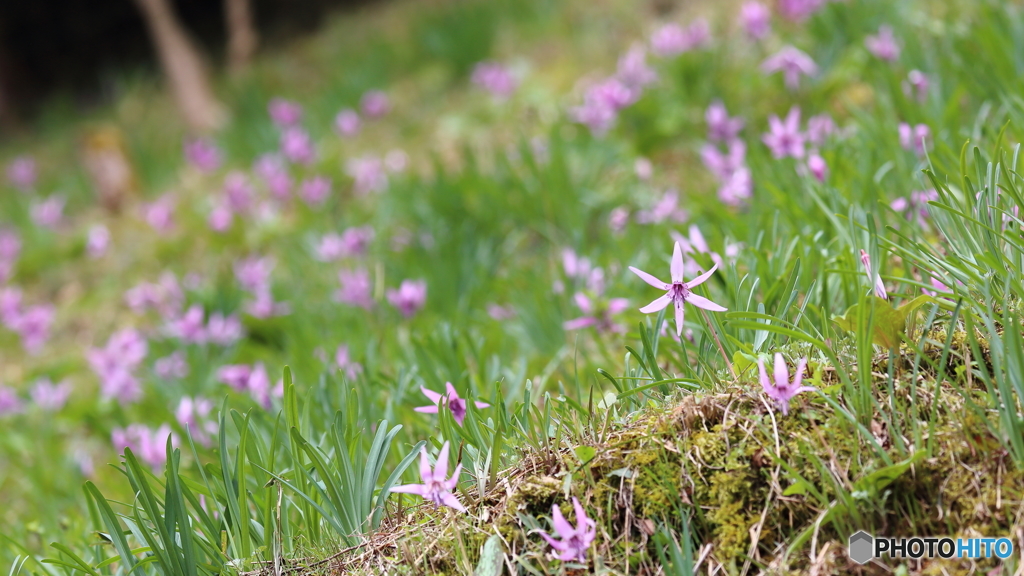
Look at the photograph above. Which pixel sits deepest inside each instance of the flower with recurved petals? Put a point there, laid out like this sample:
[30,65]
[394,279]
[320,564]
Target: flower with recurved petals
[677,291]
[575,540]
[436,487]
[451,400]
[782,391]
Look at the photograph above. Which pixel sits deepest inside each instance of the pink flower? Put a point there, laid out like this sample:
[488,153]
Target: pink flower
[782,391]
[272,170]
[799,10]
[368,175]
[238,191]
[224,330]
[410,296]
[916,204]
[792,63]
[597,116]
[115,364]
[450,400]
[755,18]
[21,172]
[98,241]
[314,191]
[173,366]
[375,103]
[253,273]
[10,306]
[914,138]
[677,291]
[819,128]
[669,40]
[721,128]
[49,212]
[33,325]
[284,113]
[353,242]
[148,445]
[633,70]
[189,327]
[436,487]
[916,85]
[939,288]
[883,45]
[203,154]
[165,296]
[347,122]
[345,363]
[220,218]
[723,165]
[879,287]
[785,138]
[193,414]
[259,388]
[9,401]
[49,396]
[665,209]
[297,146]
[494,78]
[737,188]
[160,214]
[355,288]
[574,540]
[500,313]
[817,167]
[618,219]
[597,314]
[262,305]
[235,375]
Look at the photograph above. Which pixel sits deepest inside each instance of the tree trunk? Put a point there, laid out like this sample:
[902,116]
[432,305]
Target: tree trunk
[242,35]
[182,66]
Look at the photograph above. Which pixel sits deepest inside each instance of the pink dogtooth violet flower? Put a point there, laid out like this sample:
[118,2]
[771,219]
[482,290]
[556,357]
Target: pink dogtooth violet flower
[203,154]
[782,390]
[820,128]
[938,288]
[21,172]
[451,400]
[409,297]
[356,288]
[721,128]
[879,286]
[375,103]
[793,63]
[437,486]
[784,138]
[633,70]
[883,45]
[755,19]
[343,359]
[284,113]
[597,313]
[799,10]
[494,78]
[49,396]
[171,366]
[297,146]
[9,401]
[574,540]
[678,292]
[916,85]
[48,213]
[817,167]
[314,191]
[347,122]
[914,137]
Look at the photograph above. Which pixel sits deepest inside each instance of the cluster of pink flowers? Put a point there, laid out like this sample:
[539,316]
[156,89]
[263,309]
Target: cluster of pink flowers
[883,45]
[115,365]
[253,275]
[252,379]
[755,19]
[729,168]
[915,205]
[22,173]
[665,209]
[46,395]
[495,78]
[785,139]
[148,445]
[914,138]
[673,39]
[203,154]
[190,328]
[32,323]
[196,416]
[351,243]
[356,288]
[793,63]
[604,99]
[165,296]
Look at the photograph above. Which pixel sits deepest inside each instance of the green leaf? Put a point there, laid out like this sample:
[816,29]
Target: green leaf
[888,325]
[878,480]
[585,454]
[490,558]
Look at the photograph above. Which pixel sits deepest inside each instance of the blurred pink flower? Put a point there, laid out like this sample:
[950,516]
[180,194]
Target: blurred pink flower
[618,219]
[262,305]
[914,138]
[220,218]
[355,288]
[799,10]
[450,400]
[672,39]
[253,273]
[194,414]
[785,138]
[819,128]
[643,168]
[160,214]
[347,122]
[575,540]
[755,18]
[238,191]
[665,209]
[495,78]
[274,173]
[98,241]
[409,297]
[782,390]
[115,364]
[883,45]
[21,172]
[49,396]
[597,313]
[235,375]
[345,363]
[173,366]
[375,103]
[500,313]
[314,191]
[48,213]
[721,128]
[203,154]
[284,113]
[939,288]
[297,146]
[916,85]
[148,445]
[33,325]
[368,175]
[224,330]
[723,165]
[9,401]
[189,327]
[879,286]
[165,296]
[633,70]
[792,63]
[817,167]
[396,161]
[916,204]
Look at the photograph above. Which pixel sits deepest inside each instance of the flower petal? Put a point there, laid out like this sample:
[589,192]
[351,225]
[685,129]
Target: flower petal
[579,323]
[426,409]
[417,489]
[425,472]
[677,263]
[561,525]
[679,319]
[781,372]
[434,397]
[702,302]
[766,383]
[482,405]
[616,305]
[451,501]
[657,304]
[649,279]
[441,468]
[453,394]
[700,279]
[798,378]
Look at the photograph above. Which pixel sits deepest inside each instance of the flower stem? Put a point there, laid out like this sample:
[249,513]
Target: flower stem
[721,349]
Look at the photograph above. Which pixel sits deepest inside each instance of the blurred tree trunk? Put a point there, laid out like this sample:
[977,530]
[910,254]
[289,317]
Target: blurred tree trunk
[182,65]
[242,36]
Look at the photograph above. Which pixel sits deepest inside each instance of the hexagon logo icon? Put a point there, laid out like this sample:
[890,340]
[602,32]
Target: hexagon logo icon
[861,547]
